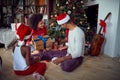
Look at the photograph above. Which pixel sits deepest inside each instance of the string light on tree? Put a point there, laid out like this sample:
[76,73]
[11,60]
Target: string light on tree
[80,22]
[73,7]
[88,27]
[51,16]
[67,2]
[55,15]
[58,5]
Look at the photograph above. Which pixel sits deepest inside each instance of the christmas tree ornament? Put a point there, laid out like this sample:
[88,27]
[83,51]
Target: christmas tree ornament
[69,12]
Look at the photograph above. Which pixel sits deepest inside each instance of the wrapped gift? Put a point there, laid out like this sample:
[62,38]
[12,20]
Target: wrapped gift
[41,43]
[49,44]
[38,44]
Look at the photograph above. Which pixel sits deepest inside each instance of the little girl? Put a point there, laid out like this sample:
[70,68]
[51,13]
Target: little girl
[23,63]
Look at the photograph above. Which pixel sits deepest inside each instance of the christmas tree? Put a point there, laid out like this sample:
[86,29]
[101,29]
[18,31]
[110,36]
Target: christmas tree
[75,8]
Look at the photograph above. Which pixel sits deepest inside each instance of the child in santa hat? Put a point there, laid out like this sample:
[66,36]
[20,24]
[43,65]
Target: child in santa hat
[22,62]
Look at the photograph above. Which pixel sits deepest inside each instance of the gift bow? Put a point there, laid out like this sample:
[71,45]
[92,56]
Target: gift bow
[42,38]
[103,24]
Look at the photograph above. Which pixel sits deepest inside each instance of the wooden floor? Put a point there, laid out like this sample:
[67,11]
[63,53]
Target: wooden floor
[93,68]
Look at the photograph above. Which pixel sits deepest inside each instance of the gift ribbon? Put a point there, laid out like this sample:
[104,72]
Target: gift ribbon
[43,39]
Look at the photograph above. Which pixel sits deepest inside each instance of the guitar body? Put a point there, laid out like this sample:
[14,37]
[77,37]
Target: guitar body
[96,45]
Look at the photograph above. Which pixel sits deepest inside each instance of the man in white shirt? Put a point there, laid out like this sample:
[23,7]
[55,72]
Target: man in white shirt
[71,58]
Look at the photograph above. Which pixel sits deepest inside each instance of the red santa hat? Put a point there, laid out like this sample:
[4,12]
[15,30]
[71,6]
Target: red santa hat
[62,18]
[23,32]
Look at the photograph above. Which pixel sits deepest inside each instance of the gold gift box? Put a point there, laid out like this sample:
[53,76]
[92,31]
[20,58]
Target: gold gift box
[39,44]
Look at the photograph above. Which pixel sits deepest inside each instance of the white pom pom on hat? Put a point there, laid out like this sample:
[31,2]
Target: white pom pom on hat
[62,18]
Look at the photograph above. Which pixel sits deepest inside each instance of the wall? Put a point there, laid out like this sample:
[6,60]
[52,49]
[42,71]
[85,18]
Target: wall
[112,42]
[117,47]
[106,6]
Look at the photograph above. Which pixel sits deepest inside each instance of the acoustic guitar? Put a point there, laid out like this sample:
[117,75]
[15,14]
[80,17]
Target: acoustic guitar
[97,41]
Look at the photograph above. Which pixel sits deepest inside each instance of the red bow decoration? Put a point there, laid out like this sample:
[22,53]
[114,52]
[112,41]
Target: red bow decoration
[103,24]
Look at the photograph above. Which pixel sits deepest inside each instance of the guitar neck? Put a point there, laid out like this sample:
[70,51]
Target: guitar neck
[104,20]
[100,30]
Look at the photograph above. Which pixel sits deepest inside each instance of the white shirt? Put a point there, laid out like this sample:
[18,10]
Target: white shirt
[76,42]
[19,62]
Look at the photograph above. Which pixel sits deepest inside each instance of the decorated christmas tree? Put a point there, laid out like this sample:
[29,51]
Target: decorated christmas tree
[75,8]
